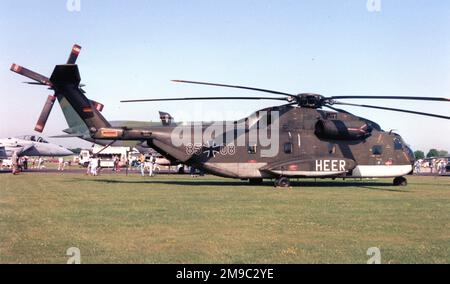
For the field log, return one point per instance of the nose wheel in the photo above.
(400, 181)
(282, 182)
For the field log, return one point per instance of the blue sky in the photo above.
(132, 49)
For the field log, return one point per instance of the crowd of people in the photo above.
(19, 164)
(143, 163)
(432, 166)
(147, 164)
(93, 167)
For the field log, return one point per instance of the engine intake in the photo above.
(342, 130)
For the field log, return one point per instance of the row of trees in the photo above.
(433, 153)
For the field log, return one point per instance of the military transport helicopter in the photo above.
(311, 142)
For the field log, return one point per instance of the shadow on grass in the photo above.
(373, 185)
(398, 189)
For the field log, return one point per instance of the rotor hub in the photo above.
(310, 100)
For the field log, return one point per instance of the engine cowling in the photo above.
(342, 130)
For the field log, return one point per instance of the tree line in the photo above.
(433, 153)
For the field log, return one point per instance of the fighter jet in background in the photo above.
(30, 145)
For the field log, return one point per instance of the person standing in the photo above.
(151, 165)
(142, 164)
(114, 158)
(442, 167)
(40, 163)
(127, 164)
(94, 164)
(99, 165)
(417, 166)
(25, 163)
(88, 171)
(61, 164)
(14, 163)
(116, 164)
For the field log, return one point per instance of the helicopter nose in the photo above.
(409, 152)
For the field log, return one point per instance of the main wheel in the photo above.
(282, 182)
(400, 181)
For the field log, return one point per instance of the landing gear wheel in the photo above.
(282, 182)
(255, 181)
(400, 181)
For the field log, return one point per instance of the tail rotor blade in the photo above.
(30, 74)
(45, 113)
(74, 54)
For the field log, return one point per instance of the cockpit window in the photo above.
(33, 138)
(398, 145)
(41, 140)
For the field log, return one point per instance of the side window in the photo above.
(288, 148)
(252, 149)
(377, 150)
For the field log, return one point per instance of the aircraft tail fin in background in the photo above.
(166, 118)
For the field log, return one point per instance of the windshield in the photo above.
(33, 138)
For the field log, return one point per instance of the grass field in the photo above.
(177, 219)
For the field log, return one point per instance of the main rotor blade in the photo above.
(30, 74)
(203, 98)
(232, 86)
(392, 98)
(74, 54)
(394, 109)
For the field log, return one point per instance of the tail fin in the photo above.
(82, 114)
(76, 106)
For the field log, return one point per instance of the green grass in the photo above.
(177, 219)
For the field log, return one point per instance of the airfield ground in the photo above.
(179, 219)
